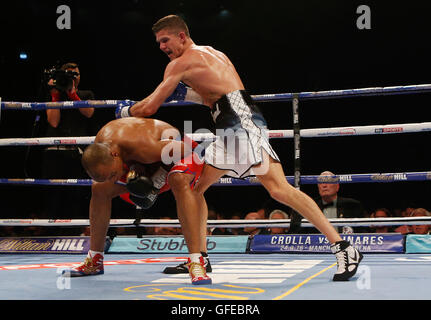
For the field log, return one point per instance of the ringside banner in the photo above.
(317, 243)
(45, 245)
(418, 243)
(172, 244)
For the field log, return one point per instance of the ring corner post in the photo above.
(296, 141)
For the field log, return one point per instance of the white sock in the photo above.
(194, 257)
(92, 253)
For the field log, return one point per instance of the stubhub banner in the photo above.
(161, 244)
(418, 243)
(317, 243)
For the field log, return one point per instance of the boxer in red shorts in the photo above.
(142, 158)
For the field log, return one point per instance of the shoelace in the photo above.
(341, 259)
(88, 263)
(185, 263)
(196, 269)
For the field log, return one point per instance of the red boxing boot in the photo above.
(90, 267)
(197, 272)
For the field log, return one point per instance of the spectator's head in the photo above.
(251, 216)
(212, 213)
(261, 213)
(381, 213)
(276, 215)
(407, 212)
(420, 229)
(328, 191)
(166, 230)
(235, 216)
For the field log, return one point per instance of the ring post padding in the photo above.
(295, 222)
(296, 141)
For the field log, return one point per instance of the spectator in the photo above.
(261, 213)
(216, 215)
(252, 230)
(8, 231)
(235, 231)
(85, 232)
(408, 212)
(270, 205)
(423, 228)
(276, 215)
(165, 230)
(63, 161)
(124, 231)
(397, 212)
(405, 229)
(334, 206)
(380, 213)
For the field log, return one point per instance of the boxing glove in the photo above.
(145, 202)
(122, 110)
(143, 190)
(184, 93)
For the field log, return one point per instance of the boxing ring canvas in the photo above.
(236, 277)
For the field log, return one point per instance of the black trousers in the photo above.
(65, 201)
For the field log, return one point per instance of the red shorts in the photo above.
(191, 164)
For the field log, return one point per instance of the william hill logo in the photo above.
(70, 245)
(13, 245)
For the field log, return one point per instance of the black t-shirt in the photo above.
(72, 122)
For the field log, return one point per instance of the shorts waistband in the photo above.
(232, 107)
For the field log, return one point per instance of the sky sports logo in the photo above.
(389, 130)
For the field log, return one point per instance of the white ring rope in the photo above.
(272, 134)
(260, 223)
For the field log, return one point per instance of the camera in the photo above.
(63, 79)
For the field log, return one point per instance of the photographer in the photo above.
(63, 86)
(64, 161)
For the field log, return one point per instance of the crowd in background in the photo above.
(259, 214)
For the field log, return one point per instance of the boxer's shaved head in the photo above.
(95, 156)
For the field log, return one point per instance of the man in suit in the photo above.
(334, 206)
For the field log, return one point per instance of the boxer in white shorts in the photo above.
(213, 81)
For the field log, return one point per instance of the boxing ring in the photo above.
(246, 275)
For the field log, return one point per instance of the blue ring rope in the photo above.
(343, 93)
(252, 181)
